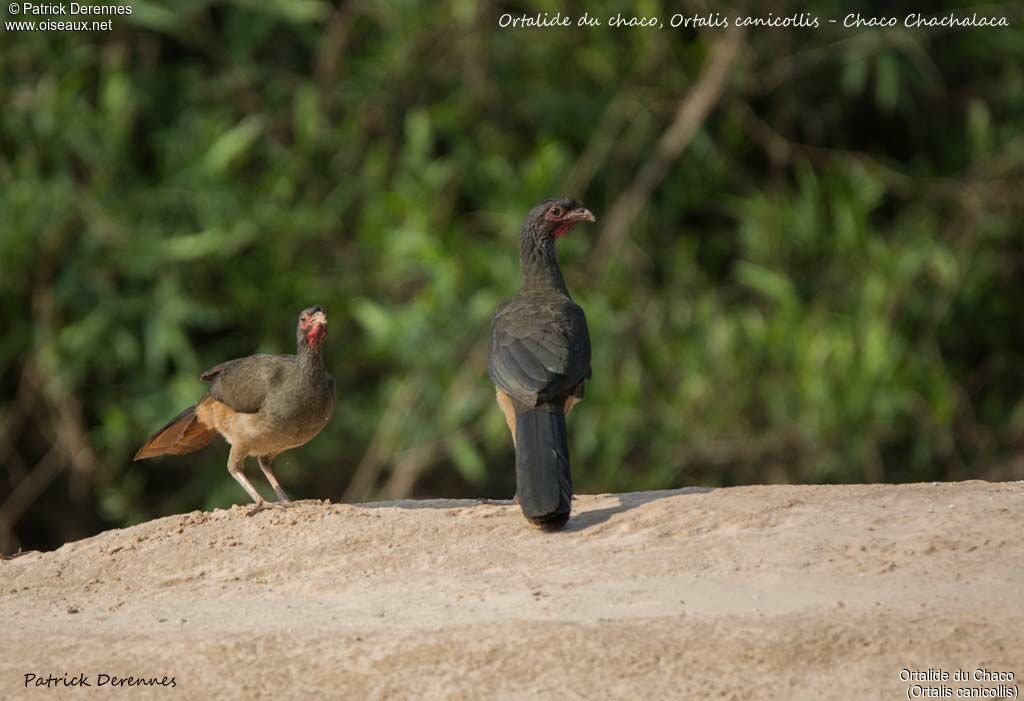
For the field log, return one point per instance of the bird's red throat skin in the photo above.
(564, 229)
(315, 336)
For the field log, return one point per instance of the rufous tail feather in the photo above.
(185, 433)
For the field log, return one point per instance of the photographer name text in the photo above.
(63, 17)
(72, 8)
(81, 679)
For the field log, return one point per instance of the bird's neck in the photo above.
(539, 263)
(310, 360)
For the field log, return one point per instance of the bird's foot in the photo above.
(262, 504)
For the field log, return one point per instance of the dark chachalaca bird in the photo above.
(539, 359)
(262, 405)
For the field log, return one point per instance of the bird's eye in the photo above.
(556, 211)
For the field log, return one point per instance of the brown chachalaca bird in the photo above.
(539, 359)
(262, 405)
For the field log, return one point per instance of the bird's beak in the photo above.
(581, 214)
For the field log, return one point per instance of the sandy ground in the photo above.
(781, 592)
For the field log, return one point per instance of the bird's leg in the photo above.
(236, 466)
(265, 461)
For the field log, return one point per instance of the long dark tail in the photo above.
(185, 433)
(543, 479)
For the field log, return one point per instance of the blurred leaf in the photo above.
(466, 458)
(887, 82)
(232, 145)
(979, 128)
(773, 286)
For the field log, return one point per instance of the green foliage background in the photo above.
(826, 285)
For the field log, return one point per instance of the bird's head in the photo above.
(312, 326)
(554, 218)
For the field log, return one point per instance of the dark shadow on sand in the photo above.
(630, 500)
(578, 522)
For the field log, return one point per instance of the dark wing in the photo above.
(244, 383)
(539, 348)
